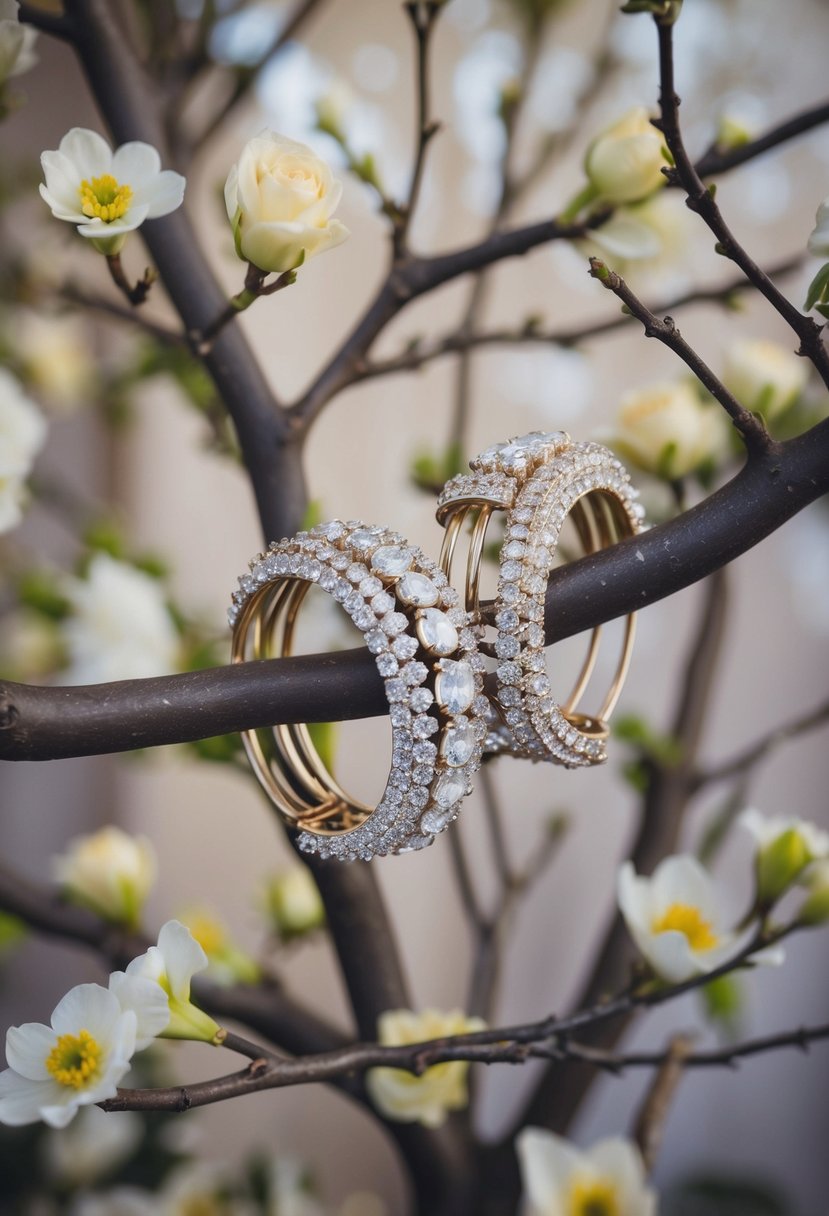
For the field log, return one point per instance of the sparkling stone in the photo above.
(392, 560)
(425, 752)
(415, 673)
(507, 619)
(363, 618)
(396, 690)
(386, 663)
(513, 548)
(481, 705)
(417, 589)
(363, 538)
(507, 647)
(394, 623)
(340, 561)
(405, 646)
(400, 715)
(449, 789)
(370, 585)
(420, 700)
(511, 571)
(424, 726)
(356, 572)
(418, 796)
(422, 774)
(540, 685)
(509, 593)
(458, 743)
(509, 696)
(535, 634)
(376, 641)
(434, 821)
(382, 603)
(341, 590)
(455, 686)
(449, 597)
(352, 602)
(436, 632)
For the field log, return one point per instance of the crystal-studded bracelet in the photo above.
(409, 615)
(539, 480)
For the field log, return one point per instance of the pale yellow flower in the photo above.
(764, 376)
(293, 903)
(110, 872)
(624, 162)
(666, 429)
(427, 1099)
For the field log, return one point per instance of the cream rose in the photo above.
(764, 376)
(667, 430)
(110, 872)
(624, 163)
(280, 198)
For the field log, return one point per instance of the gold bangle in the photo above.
(538, 480)
(402, 603)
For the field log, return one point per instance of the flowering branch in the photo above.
(751, 426)
(137, 292)
(717, 160)
(701, 200)
(255, 286)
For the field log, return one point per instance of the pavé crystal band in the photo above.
(409, 615)
(540, 479)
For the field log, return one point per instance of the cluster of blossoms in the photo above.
(95, 1031)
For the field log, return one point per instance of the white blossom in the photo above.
(171, 965)
(764, 376)
(110, 872)
(121, 628)
(818, 243)
(280, 199)
(785, 846)
(22, 435)
(77, 1060)
(55, 357)
(666, 429)
(624, 162)
(17, 41)
(94, 1145)
(107, 194)
(427, 1099)
(562, 1180)
(293, 902)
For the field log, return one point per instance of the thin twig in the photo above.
(745, 760)
(74, 293)
(701, 200)
(750, 426)
(650, 1120)
(137, 292)
(423, 15)
(718, 160)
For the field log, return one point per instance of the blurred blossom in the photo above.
(427, 1099)
(559, 1179)
(30, 645)
(742, 116)
(245, 37)
(227, 963)
(17, 53)
(95, 1145)
(818, 243)
(280, 198)
(815, 908)
(785, 847)
(110, 872)
(553, 383)
(469, 15)
(54, 354)
(667, 430)
(556, 89)
(376, 67)
(120, 1201)
(289, 1191)
(202, 1189)
(120, 628)
(764, 376)
(656, 235)
(624, 162)
(765, 191)
(22, 435)
(806, 555)
(293, 903)
(288, 88)
(492, 62)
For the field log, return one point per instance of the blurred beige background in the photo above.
(215, 836)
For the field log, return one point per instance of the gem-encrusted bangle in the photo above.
(538, 479)
(584, 475)
(409, 615)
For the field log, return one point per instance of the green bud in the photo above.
(814, 910)
(779, 865)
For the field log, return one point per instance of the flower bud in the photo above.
(785, 847)
(818, 243)
(764, 376)
(668, 431)
(227, 963)
(280, 198)
(624, 163)
(17, 41)
(109, 872)
(815, 908)
(293, 903)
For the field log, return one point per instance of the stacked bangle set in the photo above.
(429, 642)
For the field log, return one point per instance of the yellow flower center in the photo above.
(209, 933)
(75, 1060)
(685, 918)
(104, 199)
(592, 1197)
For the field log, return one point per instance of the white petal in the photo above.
(683, 880)
(135, 164)
(60, 210)
(755, 823)
(131, 220)
(633, 895)
(147, 1000)
(771, 956)
(27, 1047)
(87, 1007)
(547, 1163)
(183, 957)
(671, 956)
(620, 1160)
(89, 152)
(22, 1100)
(231, 193)
(164, 195)
(63, 181)
(626, 237)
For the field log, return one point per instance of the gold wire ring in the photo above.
(402, 603)
(539, 480)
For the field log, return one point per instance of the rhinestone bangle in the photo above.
(409, 615)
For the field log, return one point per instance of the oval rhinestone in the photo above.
(458, 743)
(391, 559)
(417, 589)
(433, 821)
(436, 632)
(455, 686)
(449, 789)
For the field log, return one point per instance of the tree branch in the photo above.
(701, 200)
(717, 160)
(740, 764)
(750, 426)
(48, 23)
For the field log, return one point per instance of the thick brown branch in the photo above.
(48, 23)
(751, 427)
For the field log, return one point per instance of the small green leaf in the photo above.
(818, 288)
(37, 590)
